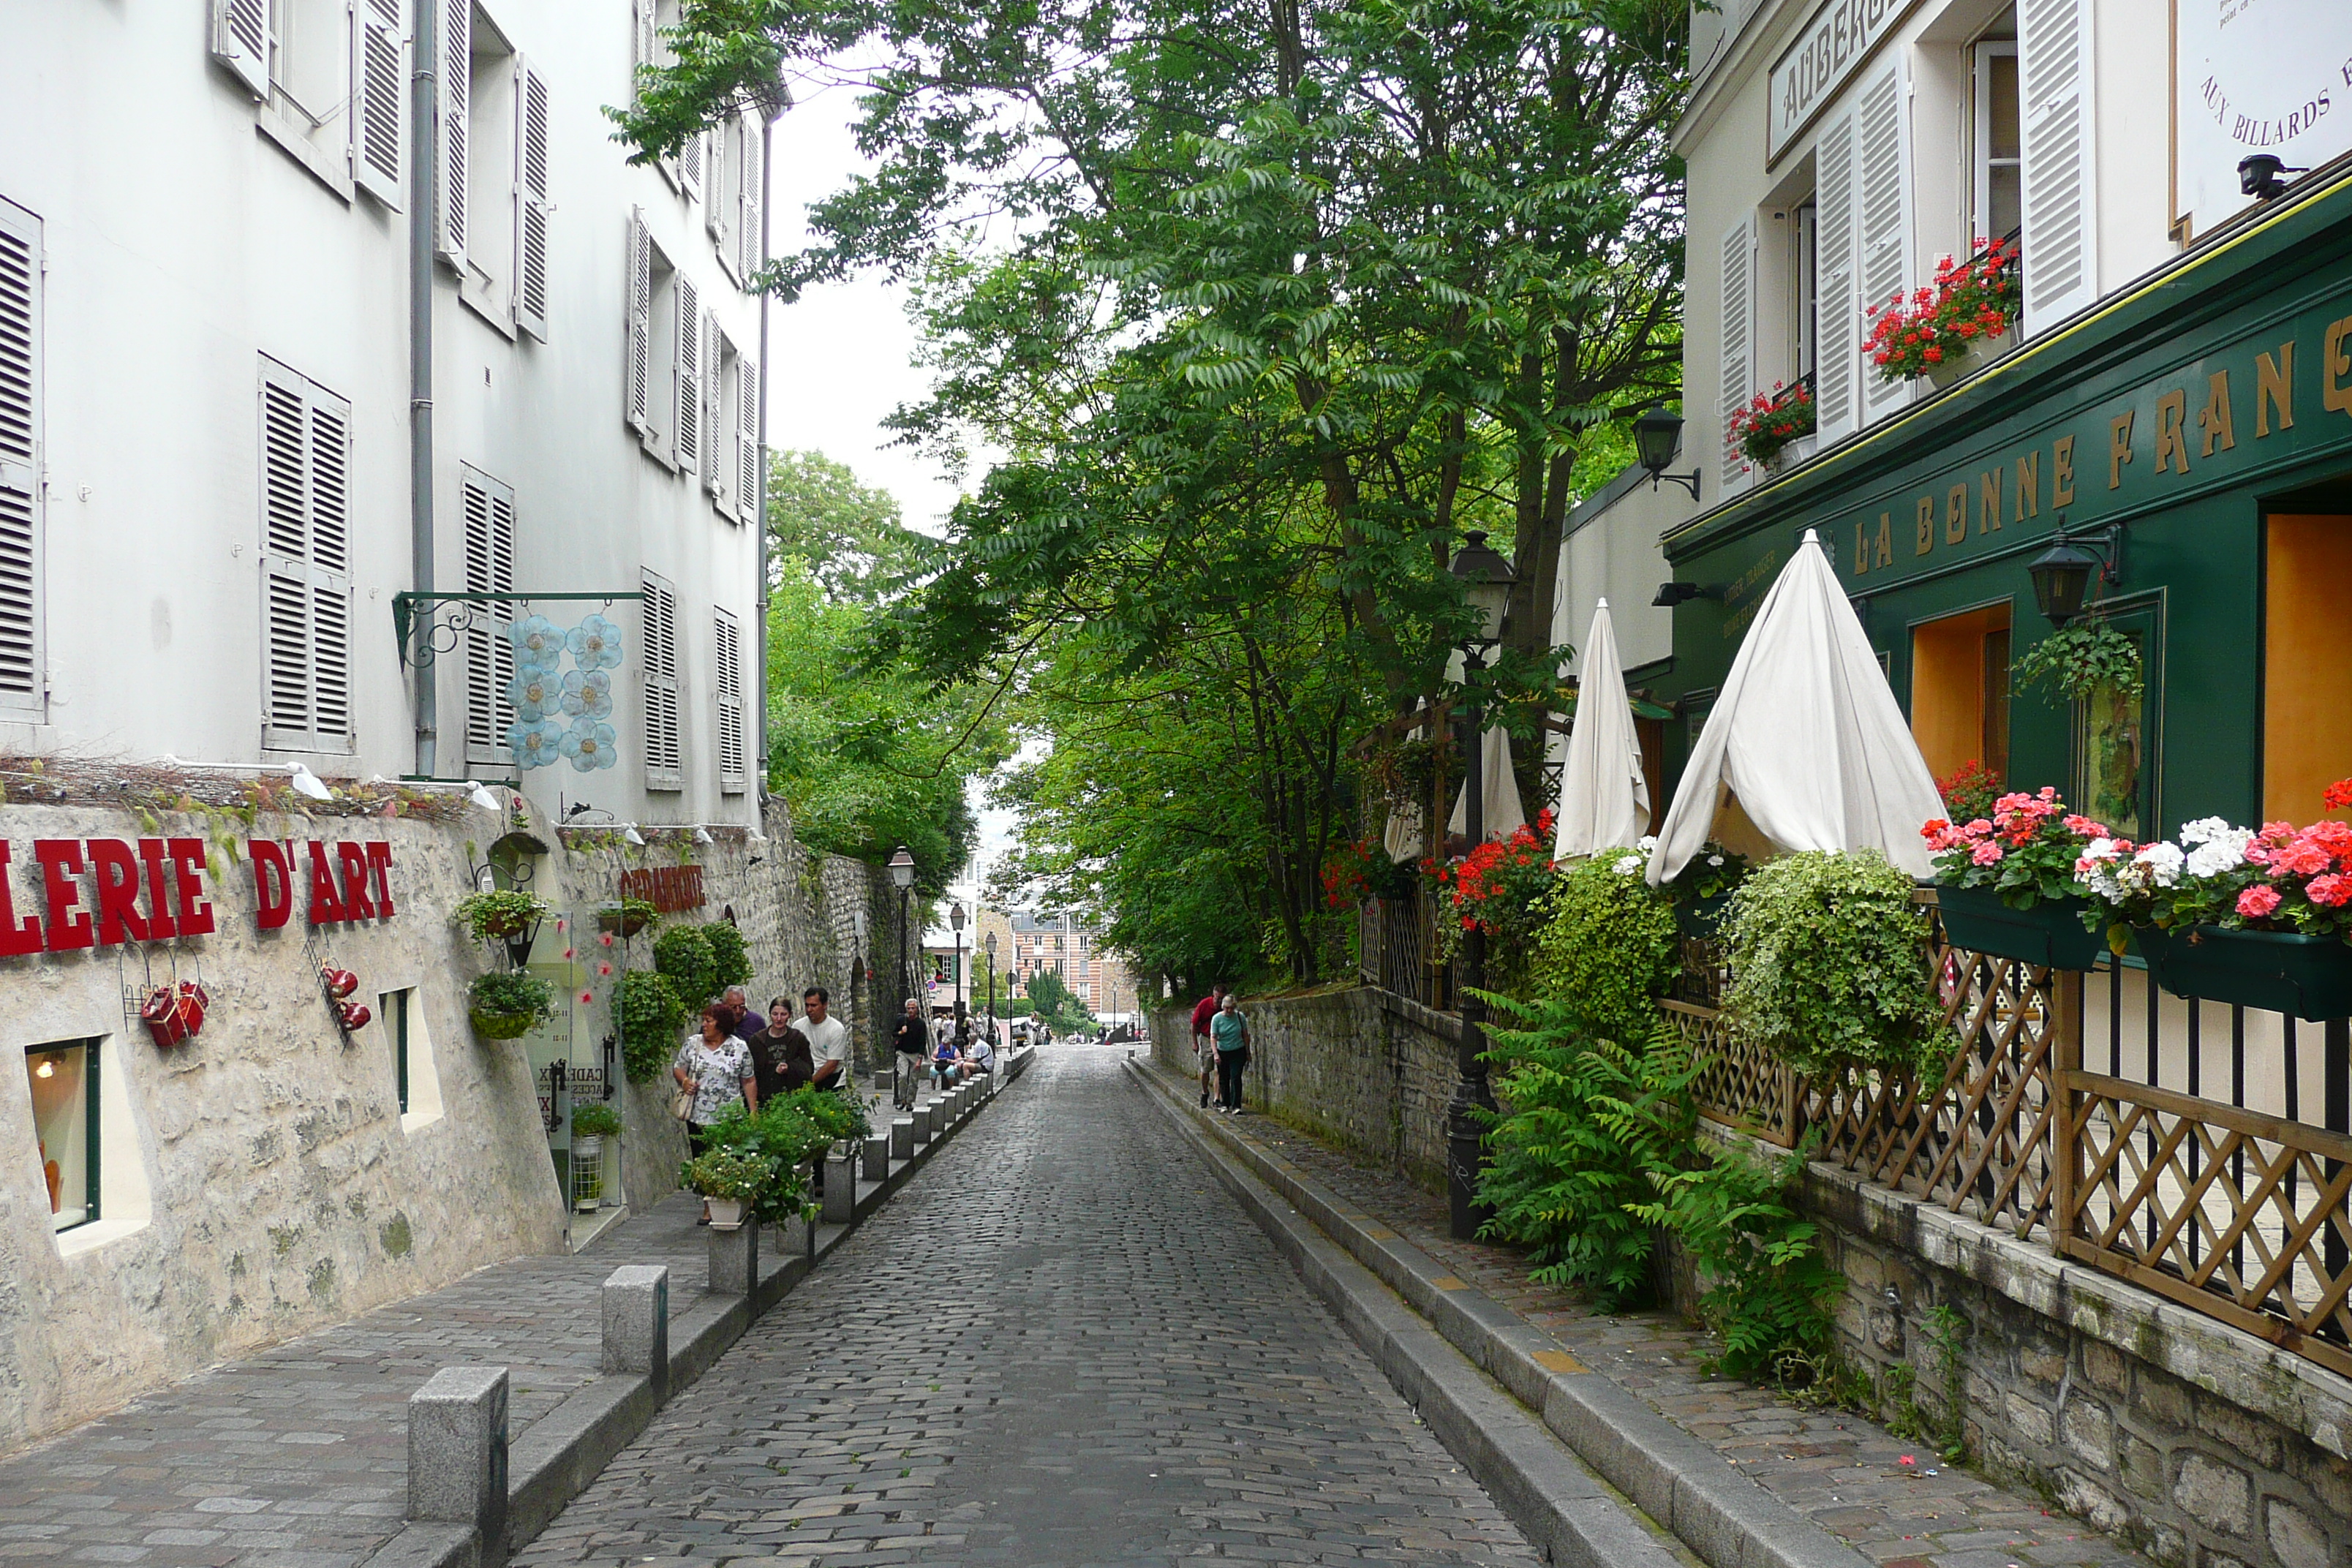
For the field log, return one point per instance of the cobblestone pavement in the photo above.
(1064, 1344)
(1843, 1472)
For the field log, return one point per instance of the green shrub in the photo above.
(650, 1019)
(731, 960)
(785, 1134)
(595, 1120)
(726, 1174)
(1829, 966)
(1608, 950)
(682, 954)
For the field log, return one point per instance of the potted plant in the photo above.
(1972, 302)
(728, 1179)
(591, 1124)
(1503, 886)
(627, 917)
(1608, 951)
(1772, 423)
(2231, 914)
(2082, 658)
(2005, 883)
(506, 1005)
(683, 955)
(1702, 890)
(500, 915)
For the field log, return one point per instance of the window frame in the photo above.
(1981, 155)
(22, 475)
(91, 1123)
(324, 579)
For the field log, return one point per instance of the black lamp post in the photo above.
(1657, 434)
(1487, 580)
(902, 872)
(955, 919)
(990, 942)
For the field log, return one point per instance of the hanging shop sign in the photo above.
(106, 892)
(672, 889)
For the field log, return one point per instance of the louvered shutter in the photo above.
(662, 769)
(530, 201)
(489, 523)
(637, 370)
(2054, 54)
(730, 685)
(379, 95)
(747, 438)
(457, 91)
(642, 42)
(1883, 229)
(717, 471)
(750, 256)
(1837, 358)
(1737, 339)
(689, 167)
(20, 462)
(305, 565)
(686, 375)
(718, 193)
(241, 42)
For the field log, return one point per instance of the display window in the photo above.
(65, 1122)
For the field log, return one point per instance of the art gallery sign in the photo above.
(105, 892)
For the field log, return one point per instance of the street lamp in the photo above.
(1657, 435)
(2063, 573)
(991, 944)
(1487, 580)
(902, 872)
(955, 919)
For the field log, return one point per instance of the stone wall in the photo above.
(1357, 1065)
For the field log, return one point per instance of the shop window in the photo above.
(64, 1079)
(2307, 661)
(415, 1074)
(1959, 689)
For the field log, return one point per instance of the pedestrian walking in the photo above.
(1202, 1011)
(909, 1046)
(735, 1012)
(780, 1053)
(718, 1068)
(828, 1039)
(1230, 1033)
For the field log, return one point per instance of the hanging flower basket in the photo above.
(2280, 971)
(2051, 933)
(626, 918)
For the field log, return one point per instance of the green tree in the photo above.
(848, 534)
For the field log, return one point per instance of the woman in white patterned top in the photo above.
(718, 1068)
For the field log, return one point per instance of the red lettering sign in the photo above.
(672, 889)
(273, 883)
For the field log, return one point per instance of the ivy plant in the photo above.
(731, 960)
(1608, 951)
(501, 914)
(649, 1016)
(683, 955)
(2082, 659)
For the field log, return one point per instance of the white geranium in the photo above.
(1627, 864)
(2223, 851)
(1714, 859)
(2095, 871)
(1646, 843)
(2163, 861)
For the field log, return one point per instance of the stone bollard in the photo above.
(840, 1190)
(902, 1138)
(878, 1156)
(458, 1453)
(637, 1324)
(921, 1117)
(735, 1259)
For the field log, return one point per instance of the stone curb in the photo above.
(560, 1453)
(1566, 1513)
(1729, 1521)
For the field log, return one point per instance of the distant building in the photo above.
(1063, 944)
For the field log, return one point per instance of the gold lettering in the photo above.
(2274, 384)
(2171, 445)
(1860, 550)
(2119, 450)
(2061, 471)
(1886, 554)
(2029, 485)
(1988, 501)
(2214, 418)
(1956, 515)
(1926, 525)
(2338, 364)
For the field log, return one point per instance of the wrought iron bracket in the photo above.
(434, 622)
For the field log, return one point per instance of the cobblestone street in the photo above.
(1062, 1344)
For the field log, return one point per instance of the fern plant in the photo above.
(1766, 1288)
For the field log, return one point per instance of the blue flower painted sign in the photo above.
(544, 695)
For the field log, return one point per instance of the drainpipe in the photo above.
(760, 506)
(424, 189)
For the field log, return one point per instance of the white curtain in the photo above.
(1604, 801)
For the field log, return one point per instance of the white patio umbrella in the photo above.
(1498, 793)
(1807, 735)
(1604, 801)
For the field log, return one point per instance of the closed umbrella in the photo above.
(1498, 793)
(1807, 735)
(1604, 801)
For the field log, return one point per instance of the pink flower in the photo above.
(586, 997)
(561, 924)
(2257, 902)
(1985, 854)
(2328, 891)
(2084, 826)
(567, 953)
(1977, 828)
(603, 970)
(2303, 859)
(606, 938)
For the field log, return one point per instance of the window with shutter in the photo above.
(663, 768)
(20, 463)
(689, 167)
(717, 365)
(1737, 339)
(636, 374)
(241, 42)
(2053, 45)
(750, 256)
(747, 438)
(729, 684)
(1882, 218)
(457, 81)
(718, 190)
(1840, 315)
(379, 95)
(305, 565)
(530, 201)
(489, 523)
(642, 42)
(686, 373)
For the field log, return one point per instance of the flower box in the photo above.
(2282, 971)
(2050, 934)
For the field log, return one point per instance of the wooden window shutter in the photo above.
(379, 100)
(1736, 362)
(457, 91)
(2053, 53)
(531, 204)
(729, 684)
(21, 632)
(716, 365)
(306, 436)
(642, 42)
(1837, 360)
(489, 544)
(635, 376)
(686, 377)
(241, 42)
(689, 167)
(748, 248)
(1881, 218)
(663, 768)
(718, 194)
(747, 438)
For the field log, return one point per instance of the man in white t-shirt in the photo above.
(828, 1039)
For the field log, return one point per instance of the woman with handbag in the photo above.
(713, 1071)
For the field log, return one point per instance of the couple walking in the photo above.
(1220, 1035)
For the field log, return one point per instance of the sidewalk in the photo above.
(1839, 1470)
